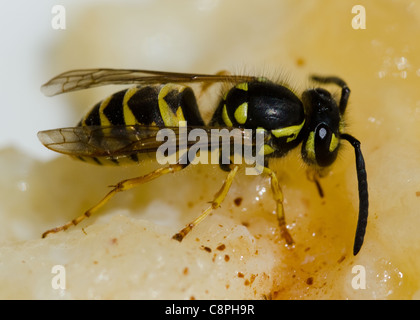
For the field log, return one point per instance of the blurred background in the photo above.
(277, 39)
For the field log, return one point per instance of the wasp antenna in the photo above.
(363, 193)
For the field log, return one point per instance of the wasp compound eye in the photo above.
(326, 145)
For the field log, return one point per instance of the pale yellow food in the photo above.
(127, 250)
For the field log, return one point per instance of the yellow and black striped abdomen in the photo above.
(154, 105)
(160, 105)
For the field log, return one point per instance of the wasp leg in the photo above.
(120, 186)
(313, 176)
(278, 197)
(218, 199)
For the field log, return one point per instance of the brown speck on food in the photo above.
(240, 275)
(221, 247)
(245, 224)
(417, 193)
(300, 62)
(310, 281)
(252, 278)
(207, 249)
(341, 259)
(192, 298)
(238, 201)
(185, 271)
(227, 258)
(114, 241)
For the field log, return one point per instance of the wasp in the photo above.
(123, 127)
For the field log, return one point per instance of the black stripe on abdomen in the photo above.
(113, 111)
(144, 106)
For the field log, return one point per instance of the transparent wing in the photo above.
(97, 141)
(120, 141)
(89, 78)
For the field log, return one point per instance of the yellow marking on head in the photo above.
(225, 117)
(310, 146)
(129, 117)
(104, 120)
(291, 132)
(333, 143)
(169, 118)
(242, 86)
(241, 113)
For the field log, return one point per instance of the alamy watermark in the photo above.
(58, 21)
(59, 280)
(359, 280)
(197, 145)
(359, 20)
